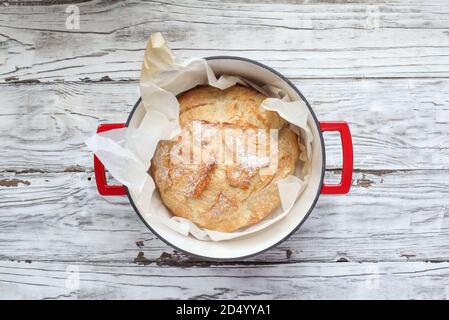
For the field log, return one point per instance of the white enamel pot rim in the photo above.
(265, 239)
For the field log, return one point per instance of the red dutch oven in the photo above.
(267, 238)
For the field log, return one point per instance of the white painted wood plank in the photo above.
(313, 40)
(55, 280)
(397, 216)
(396, 124)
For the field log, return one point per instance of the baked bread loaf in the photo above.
(222, 192)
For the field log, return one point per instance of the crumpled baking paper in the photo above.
(127, 152)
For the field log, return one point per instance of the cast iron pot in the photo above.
(263, 240)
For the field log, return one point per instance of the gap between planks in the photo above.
(109, 80)
(80, 169)
(175, 258)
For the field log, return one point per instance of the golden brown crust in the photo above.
(237, 176)
(238, 106)
(213, 194)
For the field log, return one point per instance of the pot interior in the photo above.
(264, 239)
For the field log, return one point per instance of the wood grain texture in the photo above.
(57, 280)
(313, 39)
(396, 124)
(383, 67)
(399, 216)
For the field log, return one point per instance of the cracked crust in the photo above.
(215, 195)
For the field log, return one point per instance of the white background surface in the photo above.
(382, 67)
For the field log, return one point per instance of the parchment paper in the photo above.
(127, 152)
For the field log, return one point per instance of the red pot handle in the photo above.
(346, 143)
(100, 177)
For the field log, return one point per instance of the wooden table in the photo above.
(382, 67)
